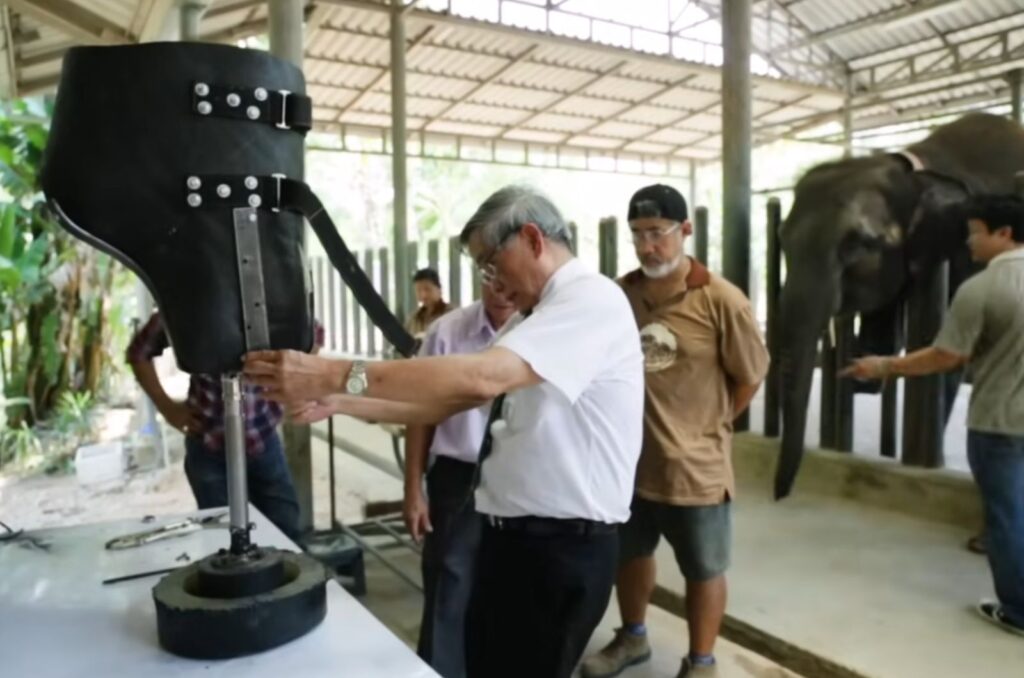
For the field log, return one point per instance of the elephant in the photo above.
(863, 231)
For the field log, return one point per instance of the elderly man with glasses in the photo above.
(565, 381)
(704, 359)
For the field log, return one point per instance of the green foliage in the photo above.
(19, 444)
(62, 316)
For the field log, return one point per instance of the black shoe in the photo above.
(993, 612)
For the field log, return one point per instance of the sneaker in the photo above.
(625, 650)
(993, 612)
(691, 670)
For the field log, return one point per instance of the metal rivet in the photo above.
(255, 201)
(251, 183)
(261, 94)
(194, 183)
(204, 107)
(253, 112)
(223, 190)
(234, 100)
(195, 200)
(202, 89)
(252, 218)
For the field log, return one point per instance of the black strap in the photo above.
(297, 196)
(281, 109)
(275, 193)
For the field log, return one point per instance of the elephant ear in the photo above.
(938, 227)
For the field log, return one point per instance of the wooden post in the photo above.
(609, 246)
(700, 235)
(357, 323)
(773, 384)
(434, 254)
(844, 387)
(574, 237)
(385, 286)
(890, 406)
(343, 312)
(829, 368)
(455, 270)
(924, 397)
(371, 331)
(331, 340)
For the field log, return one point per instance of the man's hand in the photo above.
(871, 368)
(294, 378)
(417, 514)
(181, 417)
(310, 412)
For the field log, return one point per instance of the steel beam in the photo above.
(736, 142)
(399, 167)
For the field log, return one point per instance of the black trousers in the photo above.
(449, 561)
(536, 601)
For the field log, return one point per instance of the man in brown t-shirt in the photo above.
(704, 360)
(427, 287)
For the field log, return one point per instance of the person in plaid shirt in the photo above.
(201, 418)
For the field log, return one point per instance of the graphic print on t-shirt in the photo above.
(659, 346)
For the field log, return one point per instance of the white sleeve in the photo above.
(572, 337)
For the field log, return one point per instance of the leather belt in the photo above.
(548, 527)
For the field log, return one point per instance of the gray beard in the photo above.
(662, 270)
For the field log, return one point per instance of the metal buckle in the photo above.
(277, 203)
(284, 106)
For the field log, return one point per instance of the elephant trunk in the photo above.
(806, 307)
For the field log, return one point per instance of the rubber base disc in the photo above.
(190, 624)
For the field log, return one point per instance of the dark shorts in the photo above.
(700, 536)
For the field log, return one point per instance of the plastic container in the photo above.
(99, 463)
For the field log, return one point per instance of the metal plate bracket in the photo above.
(250, 278)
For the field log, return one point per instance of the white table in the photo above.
(57, 619)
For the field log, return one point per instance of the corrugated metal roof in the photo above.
(558, 78)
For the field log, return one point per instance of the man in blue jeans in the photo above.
(985, 330)
(201, 418)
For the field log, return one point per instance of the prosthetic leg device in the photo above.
(184, 161)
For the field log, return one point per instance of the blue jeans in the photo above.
(270, 483)
(997, 462)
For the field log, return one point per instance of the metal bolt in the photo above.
(202, 89)
(252, 218)
(253, 112)
(194, 183)
(195, 200)
(224, 191)
(204, 107)
(251, 183)
(261, 94)
(255, 200)
(234, 100)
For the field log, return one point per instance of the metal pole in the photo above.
(1015, 78)
(736, 142)
(191, 13)
(286, 36)
(455, 270)
(848, 117)
(286, 31)
(399, 177)
(234, 449)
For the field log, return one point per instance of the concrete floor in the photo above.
(398, 606)
(876, 592)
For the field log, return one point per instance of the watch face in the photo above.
(354, 386)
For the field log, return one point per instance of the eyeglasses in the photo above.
(652, 235)
(488, 271)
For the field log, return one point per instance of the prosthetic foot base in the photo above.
(229, 605)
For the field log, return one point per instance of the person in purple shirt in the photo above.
(446, 519)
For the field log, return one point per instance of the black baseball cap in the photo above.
(658, 201)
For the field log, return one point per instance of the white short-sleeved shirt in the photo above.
(568, 447)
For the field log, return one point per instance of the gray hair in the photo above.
(508, 209)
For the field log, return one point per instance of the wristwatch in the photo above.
(357, 382)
